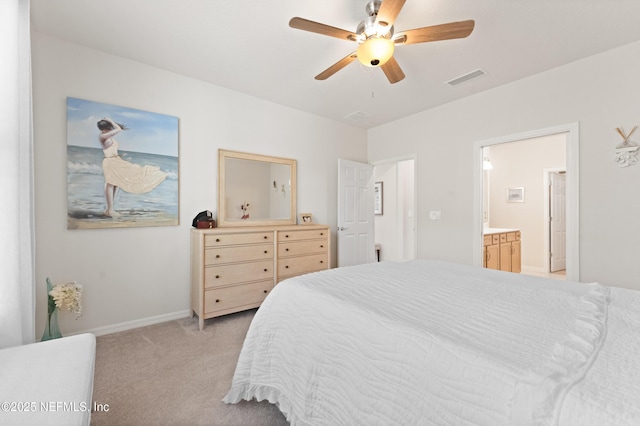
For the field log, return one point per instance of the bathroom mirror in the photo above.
(255, 190)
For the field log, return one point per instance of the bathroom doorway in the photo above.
(527, 213)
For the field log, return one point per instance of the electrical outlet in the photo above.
(435, 215)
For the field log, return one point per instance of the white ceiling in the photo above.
(247, 46)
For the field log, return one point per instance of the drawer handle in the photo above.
(217, 276)
(266, 291)
(322, 261)
(265, 269)
(286, 236)
(265, 252)
(321, 246)
(286, 249)
(217, 300)
(217, 240)
(286, 267)
(322, 233)
(217, 256)
(265, 237)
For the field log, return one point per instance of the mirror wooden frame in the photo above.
(223, 220)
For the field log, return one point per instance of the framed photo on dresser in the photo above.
(306, 219)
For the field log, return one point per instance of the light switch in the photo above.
(435, 215)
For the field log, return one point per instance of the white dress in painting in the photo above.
(130, 177)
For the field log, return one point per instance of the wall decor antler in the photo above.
(627, 151)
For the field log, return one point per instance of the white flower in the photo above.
(68, 295)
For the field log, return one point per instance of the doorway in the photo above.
(570, 134)
(395, 224)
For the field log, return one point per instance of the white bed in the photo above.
(430, 342)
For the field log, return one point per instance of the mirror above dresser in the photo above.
(255, 190)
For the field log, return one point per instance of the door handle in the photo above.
(342, 228)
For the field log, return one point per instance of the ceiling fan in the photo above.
(376, 39)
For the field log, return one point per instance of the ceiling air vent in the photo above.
(358, 115)
(466, 77)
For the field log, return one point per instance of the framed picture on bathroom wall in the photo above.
(515, 195)
(122, 167)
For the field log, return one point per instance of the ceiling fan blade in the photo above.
(435, 33)
(389, 10)
(393, 71)
(337, 66)
(316, 27)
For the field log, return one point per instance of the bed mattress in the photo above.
(430, 342)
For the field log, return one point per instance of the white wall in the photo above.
(406, 193)
(132, 275)
(599, 92)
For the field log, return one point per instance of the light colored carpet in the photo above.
(173, 374)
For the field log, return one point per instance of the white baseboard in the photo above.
(129, 325)
(533, 269)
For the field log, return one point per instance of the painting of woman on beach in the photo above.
(122, 166)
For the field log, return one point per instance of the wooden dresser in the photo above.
(234, 269)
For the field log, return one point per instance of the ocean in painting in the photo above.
(85, 192)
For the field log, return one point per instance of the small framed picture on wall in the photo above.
(377, 198)
(515, 195)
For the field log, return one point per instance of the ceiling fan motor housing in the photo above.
(373, 7)
(375, 46)
(368, 28)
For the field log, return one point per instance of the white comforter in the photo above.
(428, 342)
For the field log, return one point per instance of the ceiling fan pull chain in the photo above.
(372, 82)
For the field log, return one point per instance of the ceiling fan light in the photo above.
(375, 52)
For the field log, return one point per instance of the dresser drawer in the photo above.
(302, 265)
(216, 256)
(233, 269)
(221, 299)
(297, 248)
(217, 240)
(216, 276)
(284, 236)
